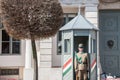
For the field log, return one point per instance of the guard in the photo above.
(81, 64)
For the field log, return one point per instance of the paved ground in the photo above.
(111, 79)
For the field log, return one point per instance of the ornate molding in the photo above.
(110, 1)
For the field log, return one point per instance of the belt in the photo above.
(82, 63)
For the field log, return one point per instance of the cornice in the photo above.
(109, 1)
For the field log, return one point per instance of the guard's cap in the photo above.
(80, 45)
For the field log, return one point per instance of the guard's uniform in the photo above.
(81, 65)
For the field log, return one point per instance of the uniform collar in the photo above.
(81, 52)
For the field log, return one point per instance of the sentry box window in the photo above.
(67, 46)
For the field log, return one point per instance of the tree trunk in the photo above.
(35, 59)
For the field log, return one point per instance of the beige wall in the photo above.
(47, 47)
(45, 53)
(14, 60)
(91, 14)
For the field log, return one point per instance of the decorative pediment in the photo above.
(110, 1)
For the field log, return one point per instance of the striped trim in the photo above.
(93, 65)
(67, 66)
(64, 73)
(67, 63)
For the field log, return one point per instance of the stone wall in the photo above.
(109, 4)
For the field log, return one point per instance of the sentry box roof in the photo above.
(79, 22)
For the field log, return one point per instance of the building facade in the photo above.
(15, 60)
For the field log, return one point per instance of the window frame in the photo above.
(67, 17)
(11, 41)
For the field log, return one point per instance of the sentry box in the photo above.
(78, 30)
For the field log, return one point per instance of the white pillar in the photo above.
(38, 57)
(28, 54)
(28, 71)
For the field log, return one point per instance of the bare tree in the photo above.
(31, 19)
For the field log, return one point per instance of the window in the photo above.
(59, 43)
(67, 18)
(67, 46)
(8, 44)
